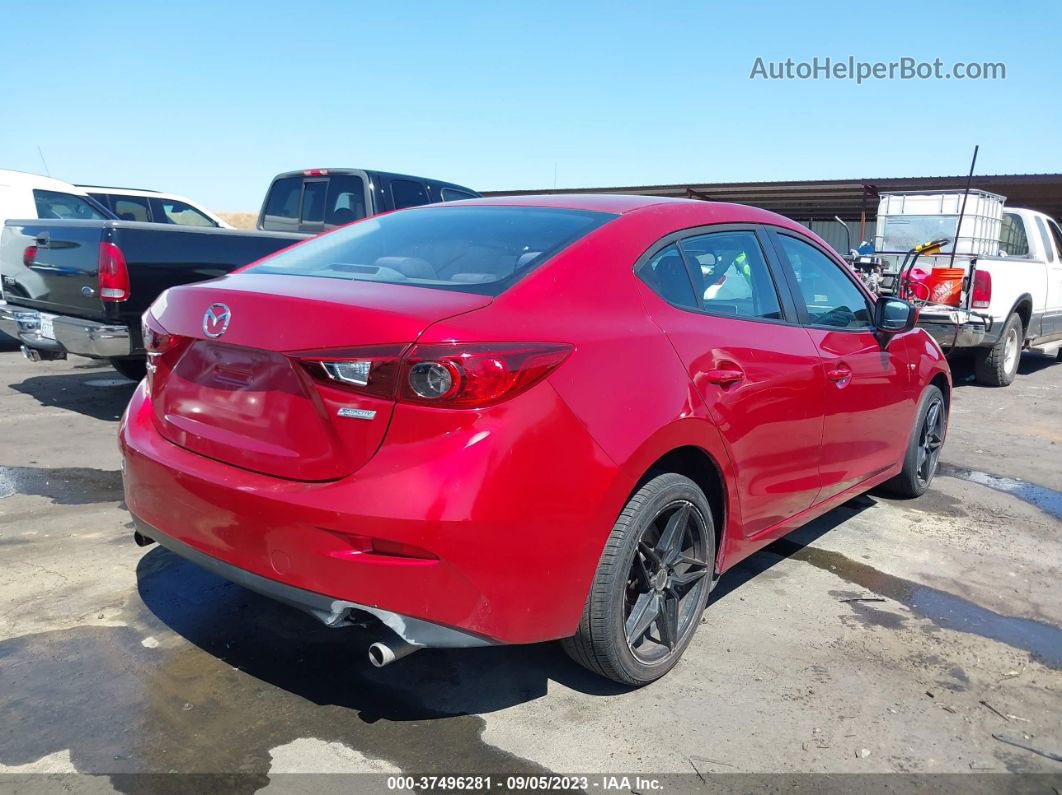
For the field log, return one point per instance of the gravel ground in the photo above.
(886, 637)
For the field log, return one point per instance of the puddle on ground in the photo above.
(1042, 640)
(62, 485)
(234, 675)
(1047, 500)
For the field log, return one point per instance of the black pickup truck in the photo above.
(80, 286)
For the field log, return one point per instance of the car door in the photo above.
(1052, 323)
(868, 404)
(753, 365)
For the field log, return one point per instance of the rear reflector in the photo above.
(113, 274)
(981, 295)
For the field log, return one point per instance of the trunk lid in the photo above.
(242, 396)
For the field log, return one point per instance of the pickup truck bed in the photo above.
(49, 275)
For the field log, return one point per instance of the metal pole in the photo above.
(962, 210)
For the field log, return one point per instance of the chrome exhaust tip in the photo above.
(386, 652)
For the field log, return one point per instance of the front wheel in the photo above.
(923, 449)
(651, 584)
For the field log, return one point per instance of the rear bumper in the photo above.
(958, 328)
(72, 334)
(330, 612)
(511, 510)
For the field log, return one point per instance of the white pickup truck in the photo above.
(1010, 298)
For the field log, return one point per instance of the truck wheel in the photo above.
(923, 449)
(997, 366)
(133, 369)
(651, 584)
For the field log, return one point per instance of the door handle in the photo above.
(723, 375)
(841, 372)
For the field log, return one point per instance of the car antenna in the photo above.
(962, 210)
(41, 153)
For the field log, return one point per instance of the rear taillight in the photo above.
(157, 341)
(156, 338)
(464, 375)
(113, 274)
(371, 370)
(981, 295)
(447, 375)
(29, 256)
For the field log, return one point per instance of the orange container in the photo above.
(945, 285)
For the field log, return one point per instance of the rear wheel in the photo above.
(133, 369)
(923, 450)
(651, 585)
(997, 366)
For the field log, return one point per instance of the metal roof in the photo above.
(825, 198)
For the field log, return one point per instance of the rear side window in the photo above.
(1012, 237)
(667, 276)
(1056, 233)
(407, 193)
(131, 208)
(346, 199)
(472, 249)
(734, 276)
(53, 204)
(282, 205)
(454, 195)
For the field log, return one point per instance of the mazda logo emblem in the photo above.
(216, 320)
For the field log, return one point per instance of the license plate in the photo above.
(47, 329)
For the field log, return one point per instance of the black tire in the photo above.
(919, 461)
(634, 575)
(997, 366)
(133, 369)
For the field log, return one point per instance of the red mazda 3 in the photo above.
(518, 419)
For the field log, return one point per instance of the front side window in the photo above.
(1048, 250)
(471, 249)
(829, 296)
(1012, 238)
(407, 193)
(666, 275)
(171, 211)
(735, 279)
(1056, 233)
(54, 204)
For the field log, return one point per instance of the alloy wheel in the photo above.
(666, 581)
(930, 440)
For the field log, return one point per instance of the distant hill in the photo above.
(240, 220)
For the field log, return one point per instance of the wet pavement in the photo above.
(911, 630)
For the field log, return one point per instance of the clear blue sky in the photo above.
(212, 99)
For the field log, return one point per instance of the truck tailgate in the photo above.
(52, 266)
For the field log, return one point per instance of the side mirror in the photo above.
(893, 316)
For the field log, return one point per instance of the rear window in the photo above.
(53, 204)
(471, 249)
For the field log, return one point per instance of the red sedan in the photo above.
(518, 419)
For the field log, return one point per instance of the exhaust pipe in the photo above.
(142, 540)
(35, 355)
(385, 652)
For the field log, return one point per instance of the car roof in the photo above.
(10, 177)
(594, 202)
